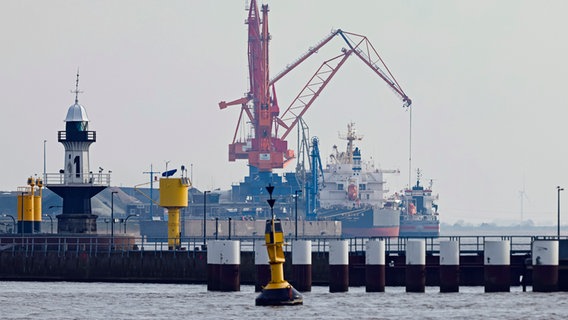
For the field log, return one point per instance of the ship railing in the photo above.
(91, 179)
(104, 244)
(419, 217)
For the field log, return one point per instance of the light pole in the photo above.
(50, 220)
(112, 219)
(129, 216)
(205, 215)
(13, 221)
(296, 204)
(558, 188)
(44, 176)
(21, 218)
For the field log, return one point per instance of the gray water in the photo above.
(71, 300)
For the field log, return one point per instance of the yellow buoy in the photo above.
(173, 196)
(278, 291)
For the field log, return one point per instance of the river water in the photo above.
(72, 300)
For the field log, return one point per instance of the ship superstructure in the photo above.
(354, 193)
(419, 217)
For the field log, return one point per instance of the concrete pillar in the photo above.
(375, 266)
(302, 265)
(223, 265)
(261, 265)
(338, 266)
(545, 259)
(416, 265)
(497, 266)
(449, 266)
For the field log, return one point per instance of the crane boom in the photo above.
(311, 91)
(369, 56)
(305, 56)
(372, 59)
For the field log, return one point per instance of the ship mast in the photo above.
(350, 136)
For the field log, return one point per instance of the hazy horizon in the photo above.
(486, 79)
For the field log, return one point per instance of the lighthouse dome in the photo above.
(76, 113)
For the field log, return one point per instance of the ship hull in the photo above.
(371, 232)
(419, 229)
(371, 223)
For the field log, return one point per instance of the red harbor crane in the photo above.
(267, 148)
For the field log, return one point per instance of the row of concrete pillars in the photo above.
(223, 260)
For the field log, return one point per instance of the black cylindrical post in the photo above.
(338, 266)
(497, 266)
(415, 265)
(375, 266)
(449, 266)
(302, 265)
(545, 259)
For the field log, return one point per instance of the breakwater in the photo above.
(128, 259)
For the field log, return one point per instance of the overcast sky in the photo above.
(487, 79)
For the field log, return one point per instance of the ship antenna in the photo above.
(418, 177)
(77, 91)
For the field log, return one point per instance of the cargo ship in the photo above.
(353, 192)
(419, 214)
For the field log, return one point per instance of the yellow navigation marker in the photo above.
(278, 291)
(173, 196)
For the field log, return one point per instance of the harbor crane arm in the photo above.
(362, 49)
(306, 55)
(241, 101)
(310, 92)
(366, 52)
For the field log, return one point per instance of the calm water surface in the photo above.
(70, 300)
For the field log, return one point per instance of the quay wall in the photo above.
(130, 259)
(191, 267)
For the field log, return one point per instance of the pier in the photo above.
(131, 259)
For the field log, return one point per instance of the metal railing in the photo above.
(94, 245)
(94, 179)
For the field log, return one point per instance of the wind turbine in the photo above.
(523, 196)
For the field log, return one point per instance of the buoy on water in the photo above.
(278, 292)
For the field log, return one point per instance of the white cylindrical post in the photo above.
(338, 266)
(416, 265)
(261, 264)
(223, 265)
(449, 266)
(302, 265)
(497, 266)
(213, 266)
(545, 260)
(375, 265)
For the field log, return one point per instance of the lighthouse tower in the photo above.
(75, 183)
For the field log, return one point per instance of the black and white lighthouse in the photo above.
(75, 183)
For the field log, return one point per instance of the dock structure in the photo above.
(45, 257)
